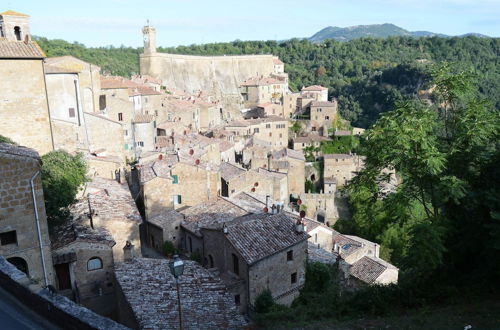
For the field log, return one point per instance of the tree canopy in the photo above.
(62, 176)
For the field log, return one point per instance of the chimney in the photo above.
(128, 252)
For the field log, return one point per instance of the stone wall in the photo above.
(122, 230)
(195, 185)
(215, 245)
(24, 110)
(57, 309)
(95, 287)
(209, 73)
(17, 212)
(105, 134)
(274, 273)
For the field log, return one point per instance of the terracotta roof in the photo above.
(165, 218)
(13, 13)
(317, 254)
(257, 236)
(260, 81)
(368, 269)
(158, 168)
(285, 152)
(277, 61)
(78, 229)
(271, 174)
(142, 90)
(211, 214)
(20, 49)
(317, 88)
(151, 291)
(111, 200)
(230, 171)
(142, 118)
(346, 244)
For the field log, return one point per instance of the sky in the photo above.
(184, 22)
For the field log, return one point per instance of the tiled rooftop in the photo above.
(323, 104)
(158, 168)
(20, 49)
(230, 171)
(317, 254)
(368, 269)
(315, 88)
(210, 214)
(250, 122)
(310, 138)
(165, 218)
(257, 236)
(150, 289)
(285, 152)
(111, 201)
(338, 156)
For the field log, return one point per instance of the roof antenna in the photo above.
(148, 21)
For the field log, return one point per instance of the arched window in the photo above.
(94, 263)
(20, 264)
(17, 32)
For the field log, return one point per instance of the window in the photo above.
(177, 199)
(237, 300)
(1, 32)
(140, 143)
(268, 125)
(315, 238)
(289, 255)
(102, 102)
(126, 132)
(120, 116)
(156, 113)
(256, 130)
(94, 263)
(71, 112)
(281, 135)
(126, 146)
(175, 179)
(270, 134)
(327, 117)
(9, 237)
(293, 278)
(236, 264)
(17, 32)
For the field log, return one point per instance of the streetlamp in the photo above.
(177, 269)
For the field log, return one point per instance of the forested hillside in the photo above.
(367, 75)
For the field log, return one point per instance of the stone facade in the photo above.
(341, 167)
(24, 238)
(23, 102)
(320, 207)
(322, 115)
(273, 130)
(193, 183)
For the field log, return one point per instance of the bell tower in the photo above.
(14, 26)
(149, 34)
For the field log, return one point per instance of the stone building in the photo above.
(83, 261)
(292, 163)
(259, 90)
(163, 227)
(174, 182)
(150, 298)
(313, 139)
(24, 237)
(258, 252)
(114, 210)
(323, 114)
(144, 133)
(273, 130)
(73, 88)
(321, 207)
(24, 108)
(341, 167)
(315, 92)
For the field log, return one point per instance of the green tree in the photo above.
(264, 301)
(62, 176)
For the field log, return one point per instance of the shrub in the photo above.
(264, 302)
(168, 248)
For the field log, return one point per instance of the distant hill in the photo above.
(375, 31)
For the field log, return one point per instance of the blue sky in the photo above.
(184, 22)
